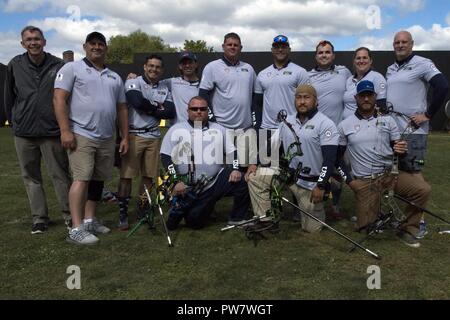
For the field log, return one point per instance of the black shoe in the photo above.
(173, 222)
(38, 228)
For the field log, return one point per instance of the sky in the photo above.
(348, 24)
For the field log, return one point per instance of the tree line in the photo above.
(121, 49)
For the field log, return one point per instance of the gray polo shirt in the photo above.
(314, 133)
(330, 87)
(278, 87)
(207, 145)
(158, 92)
(407, 87)
(93, 100)
(350, 91)
(368, 142)
(233, 87)
(182, 91)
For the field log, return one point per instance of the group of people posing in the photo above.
(229, 131)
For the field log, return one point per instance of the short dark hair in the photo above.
(31, 29)
(155, 56)
(363, 48)
(197, 98)
(323, 43)
(232, 35)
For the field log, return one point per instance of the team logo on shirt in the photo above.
(382, 85)
(309, 126)
(244, 70)
(132, 86)
(59, 77)
(357, 127)
(287, 73)
(88, 70)
(328, 133)
(111, 76)
(433, 67)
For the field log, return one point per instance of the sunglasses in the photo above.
(194, 109)
(280, 39)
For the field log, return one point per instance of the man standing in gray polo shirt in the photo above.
(275, 85)
(185, 87)
(29, 109)
(228, 85)
(88, 98)
(149, 101)
(329, 80)
(274, 91)
(372, 140)
(408, 80)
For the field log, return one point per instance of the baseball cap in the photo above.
(280, 39)
(187, 55)
(97, 36)
(365, 86)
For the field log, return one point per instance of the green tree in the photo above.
(197, 46)
(121, 49)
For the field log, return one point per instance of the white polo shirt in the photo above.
(407, 88)
(233, 87)
(330, 87)
(278, 89)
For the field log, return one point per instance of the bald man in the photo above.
(408, 80)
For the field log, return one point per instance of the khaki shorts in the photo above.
(92, 159)
(142, 157)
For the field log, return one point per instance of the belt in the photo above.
(309, 179)
(373, 175)
(143, 130)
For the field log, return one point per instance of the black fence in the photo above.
(2, 81)
(260, 60)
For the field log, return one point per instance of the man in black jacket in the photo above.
(29, 109)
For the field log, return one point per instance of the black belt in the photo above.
(143, 130)
(309, 179)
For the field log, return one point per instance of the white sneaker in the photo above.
(95, 227)
(80, 236)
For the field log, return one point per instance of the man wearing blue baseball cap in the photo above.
(274, 91)
(373, 140)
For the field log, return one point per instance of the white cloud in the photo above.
(9, 46)
(435, 38)
(22, 5)
(256, 21)
(411, 5)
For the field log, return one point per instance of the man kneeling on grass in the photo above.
(192, 151)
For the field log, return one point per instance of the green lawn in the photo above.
(208, 264)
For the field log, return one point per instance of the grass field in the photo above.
(208, 264)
